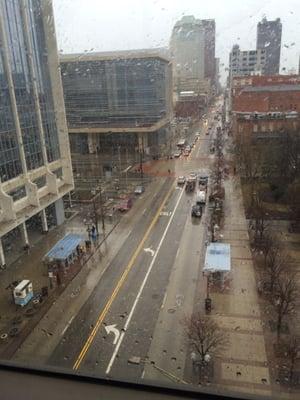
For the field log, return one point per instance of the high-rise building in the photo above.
(269, 39)
(250, 62)
(209, 26)
(119, 99)
(35, 164)
(187, 46)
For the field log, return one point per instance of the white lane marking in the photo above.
(164, 300)
(110, 364)
(177, 253)
(114, 330)
(149, 250)
(67, 326)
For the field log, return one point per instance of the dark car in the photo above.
(203, 180)
(196, 211)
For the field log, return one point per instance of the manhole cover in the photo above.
(171, 310)
(4, 336)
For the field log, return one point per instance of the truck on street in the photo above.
(201, 197)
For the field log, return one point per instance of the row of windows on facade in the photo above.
(23, 90)
(265, 127)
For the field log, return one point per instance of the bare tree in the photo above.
(204, 336)
(293, 350)
(284, 298)
(259, 221)
(274, 263)
(294, 205)
(269, 242)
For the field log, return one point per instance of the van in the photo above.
(201, 197)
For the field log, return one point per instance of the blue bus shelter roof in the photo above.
(64, 247)
(217, 257)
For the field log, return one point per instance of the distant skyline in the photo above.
(93, 25)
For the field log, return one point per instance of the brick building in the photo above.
(265, 106)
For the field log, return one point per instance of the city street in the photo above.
(154, 271)
(127, 320)
(150, 281)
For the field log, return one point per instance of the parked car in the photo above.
(196, 211)
(177, 154)
(139, 190)
(188, 148)
(181, 180)
(186, 153)
(125, 204)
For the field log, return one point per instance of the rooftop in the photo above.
(217, 257)
(64, 247)
(160, 52)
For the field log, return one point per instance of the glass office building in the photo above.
(33, 134)
(126, 93)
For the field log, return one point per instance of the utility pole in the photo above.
(95, 216)
(141, 165)
(102, 212)
(119, 156)
(141, 160)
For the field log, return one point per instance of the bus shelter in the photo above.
(65, 252)
(217, 263)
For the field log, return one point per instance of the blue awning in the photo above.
(65, 247)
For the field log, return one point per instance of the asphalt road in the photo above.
(131, 325)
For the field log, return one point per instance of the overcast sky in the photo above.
(104, 25)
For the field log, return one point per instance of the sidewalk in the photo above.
(243, 366)
(14, 320)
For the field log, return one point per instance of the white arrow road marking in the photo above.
(114, 330)
(166, 213)
(149, 250)
(141, 289)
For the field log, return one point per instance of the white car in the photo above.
(192, 177)
(177, 154)
(181, 180)
(139, 190)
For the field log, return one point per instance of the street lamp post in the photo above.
(141, 165)
(119, 156)
(96, 217)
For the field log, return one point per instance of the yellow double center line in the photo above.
(118, 286)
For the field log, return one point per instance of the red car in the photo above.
(125, 204)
